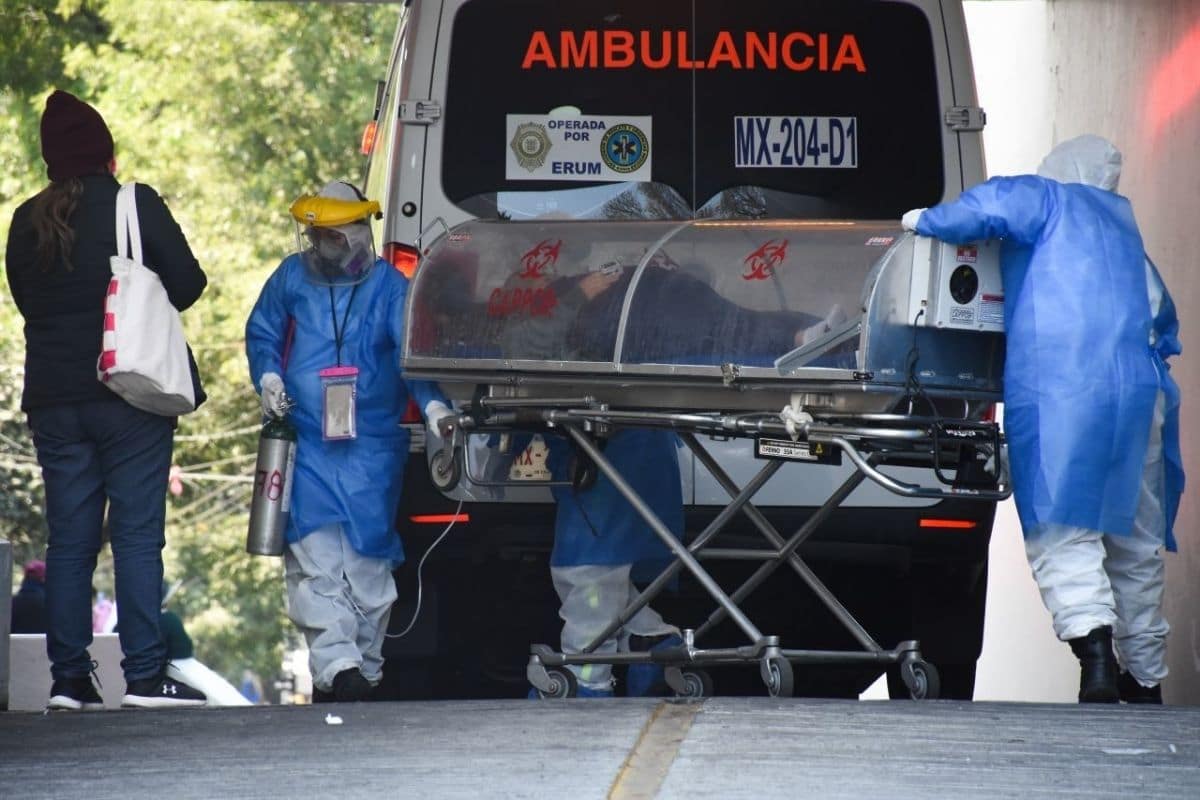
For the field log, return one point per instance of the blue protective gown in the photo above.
(1080, 376)
(354, 482)
(599, 526)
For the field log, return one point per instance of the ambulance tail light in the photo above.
(989, 413)
(403, 257)
(368, 138)
(440, 519)
(412, 414)
(948, 524)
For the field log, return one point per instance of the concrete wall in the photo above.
(1128, 70)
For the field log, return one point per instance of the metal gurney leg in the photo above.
(775, 663)
(764, 648)
(919, 676)
(545, 666)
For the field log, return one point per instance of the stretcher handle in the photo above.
(1002, 492)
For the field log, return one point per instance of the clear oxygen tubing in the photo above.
(420, 566)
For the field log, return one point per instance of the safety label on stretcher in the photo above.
(822, 142)
(786, 449)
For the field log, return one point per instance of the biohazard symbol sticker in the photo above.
(540, 260)
(624, 148)
(530, 143)
(762, 263)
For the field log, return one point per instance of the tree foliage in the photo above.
(230, 110)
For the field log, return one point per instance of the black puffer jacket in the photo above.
(64, 309)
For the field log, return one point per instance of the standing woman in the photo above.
(94, 448)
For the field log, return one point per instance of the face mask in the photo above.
(332, 251)
(338, 255)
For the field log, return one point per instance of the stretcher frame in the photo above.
(868, 439)
(860, 389)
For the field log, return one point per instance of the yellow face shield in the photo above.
(328, 212)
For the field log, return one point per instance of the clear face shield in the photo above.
(333, 235)
(336, 256)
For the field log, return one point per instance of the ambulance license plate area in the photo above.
(787, 450)
(530, 463)
(796, 142)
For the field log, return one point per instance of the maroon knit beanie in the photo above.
(75, 140)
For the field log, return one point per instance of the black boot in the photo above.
(1097, 666)
(1133, 692)
(349, 686)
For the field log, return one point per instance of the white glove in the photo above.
(435, 412)
(273, 396)
(910, 219)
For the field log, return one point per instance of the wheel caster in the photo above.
(563, 684)
(697, 683)
(445, 469)
(777, 675)
(921, 678)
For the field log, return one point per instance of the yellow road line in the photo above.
(648, 762)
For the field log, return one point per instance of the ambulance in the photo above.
(524, 110)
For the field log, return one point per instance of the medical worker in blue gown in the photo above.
(599, 540)
(1091, 411)
(326, 333)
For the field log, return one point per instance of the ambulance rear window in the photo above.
(678, 109)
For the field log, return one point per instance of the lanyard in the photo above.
(340, 333)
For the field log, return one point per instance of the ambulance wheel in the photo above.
(697, 683)
(921, 678)
(777, 675)
(445, 468)
(563, 683)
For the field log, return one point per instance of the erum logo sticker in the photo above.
(624, 148)
(540, 260)
(761, 264)
(968, 253)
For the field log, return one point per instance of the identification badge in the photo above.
(339, 392)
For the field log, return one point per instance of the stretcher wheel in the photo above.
(921, 678)
(445, 469)
(696, 683)
(564, 684)
(777, 675)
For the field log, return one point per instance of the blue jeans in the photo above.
(93, 453)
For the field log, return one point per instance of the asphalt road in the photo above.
(577, 749)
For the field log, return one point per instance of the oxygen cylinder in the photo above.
(271, 504)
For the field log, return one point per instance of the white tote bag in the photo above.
(144, 356)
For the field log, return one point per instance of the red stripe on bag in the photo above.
(112, 286)
(108, 360)
(110, 322)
